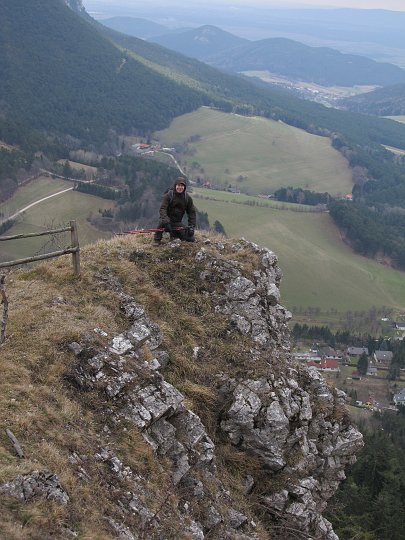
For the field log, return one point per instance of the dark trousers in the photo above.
(183, 234)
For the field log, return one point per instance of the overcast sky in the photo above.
(394, 5)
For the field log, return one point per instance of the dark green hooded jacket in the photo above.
(175, 205)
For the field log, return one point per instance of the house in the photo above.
(324, 365)
(399, 399)
(306, 356)
(383, 357)
(357, 351)
(329, 353)
(372, 370)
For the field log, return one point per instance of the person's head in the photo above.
(180, 185)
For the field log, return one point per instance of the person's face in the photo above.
(180, 188)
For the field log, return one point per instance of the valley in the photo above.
(322, 274)
(326, 95)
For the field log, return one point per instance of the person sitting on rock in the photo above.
(175, 204)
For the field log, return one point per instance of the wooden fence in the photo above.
(74, 249)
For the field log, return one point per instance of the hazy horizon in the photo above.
(390, 5)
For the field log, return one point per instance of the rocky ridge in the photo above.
(282, 419)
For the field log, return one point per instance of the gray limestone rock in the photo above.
(284, 419)
(36, 484)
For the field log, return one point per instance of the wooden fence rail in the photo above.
(74, 249)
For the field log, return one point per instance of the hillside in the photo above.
(388, 101)
(61, 76)
(254, 154)
(151, 407)
(108, 91)
(133, 26)
(321, 65)
(200, 42)
(239, 95)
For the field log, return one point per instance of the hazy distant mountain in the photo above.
(320, 65)
(377, 34)
(133, 26)
(388, 101)
(200, 42)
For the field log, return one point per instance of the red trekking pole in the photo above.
(145, 231)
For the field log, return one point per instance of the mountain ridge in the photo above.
(282, 56)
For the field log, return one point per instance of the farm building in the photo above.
(383, 357)
(357, 351)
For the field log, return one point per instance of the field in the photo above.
(90, 170)
(319, 269)
(41, 187)
(266, 154)
(50, 214)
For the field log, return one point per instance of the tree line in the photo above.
(340, 337)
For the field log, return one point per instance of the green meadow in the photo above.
(33, 191)
(319, 269)
(52, 214)
(264, 154)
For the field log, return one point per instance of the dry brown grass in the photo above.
(48, 309)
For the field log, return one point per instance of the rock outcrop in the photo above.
(290, 420)
(280, 419)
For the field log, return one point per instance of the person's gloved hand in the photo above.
(190, 230)
(168, 227)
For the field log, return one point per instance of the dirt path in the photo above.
(37, 202)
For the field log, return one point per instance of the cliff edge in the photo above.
(157, 398)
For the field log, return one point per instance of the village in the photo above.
(365, 377)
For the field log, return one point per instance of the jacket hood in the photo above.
(180, 180)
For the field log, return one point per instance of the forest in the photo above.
(370, 503)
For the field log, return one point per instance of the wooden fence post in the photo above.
(4, 301)
(75, 245)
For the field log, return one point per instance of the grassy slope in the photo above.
(319, 269)
(52, 214)
(33, 191)
(271, 154)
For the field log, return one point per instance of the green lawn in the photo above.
(319, 269)
(269, 154)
